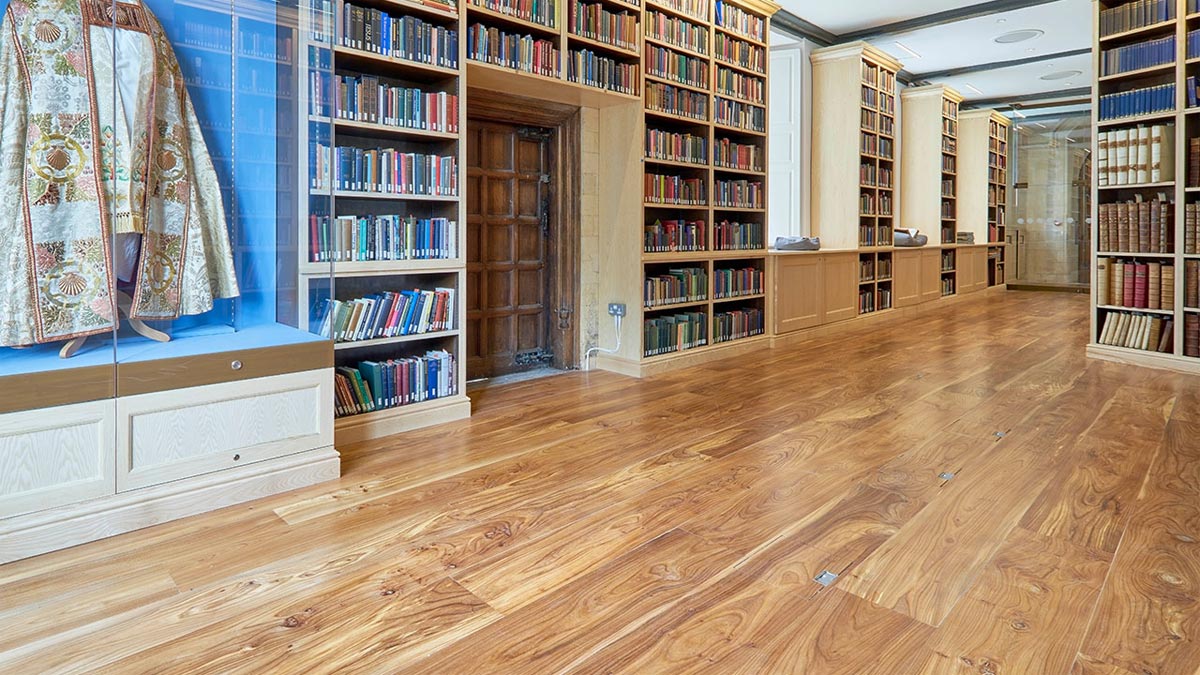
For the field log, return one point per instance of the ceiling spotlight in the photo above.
(1030, 50)
(1061, 75)
(1001, 20)
(1015, 36)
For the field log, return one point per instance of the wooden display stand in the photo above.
(1181, 353)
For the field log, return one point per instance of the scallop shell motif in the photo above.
(47, 31)
(167, 160)
(58, 159)
(72, 284)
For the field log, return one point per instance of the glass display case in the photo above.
(155, 349)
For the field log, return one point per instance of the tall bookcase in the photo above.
(998, 132)
(1145, 308)
(929, 166)
(594, 46)
(383, 191)
(854, 190)
(704, 236)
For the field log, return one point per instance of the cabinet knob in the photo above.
(236, 365)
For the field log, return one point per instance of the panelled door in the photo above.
(509, 192)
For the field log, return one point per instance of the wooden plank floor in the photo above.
(590, 523)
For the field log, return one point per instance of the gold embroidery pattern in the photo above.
(57, 158)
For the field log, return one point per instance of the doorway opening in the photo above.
(522, 238)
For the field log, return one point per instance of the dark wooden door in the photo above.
(509, 188)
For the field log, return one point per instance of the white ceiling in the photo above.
(853, 15)
(1065, 24)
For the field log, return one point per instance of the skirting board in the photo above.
(679, 360)
(1137, 357)
(398, 420)
(62, 527)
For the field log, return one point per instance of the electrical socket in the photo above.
(616, 309)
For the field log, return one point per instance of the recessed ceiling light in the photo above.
(1015, 36)
(1001, 20)
(1030, 50)
(1061, 75)
(973, 88)
(905, 49)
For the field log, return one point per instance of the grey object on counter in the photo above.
(904, 239)
(798, 244)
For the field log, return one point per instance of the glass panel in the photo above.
(213, 246)
(1049, 234)
(56, 307)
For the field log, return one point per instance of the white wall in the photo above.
(789, 140)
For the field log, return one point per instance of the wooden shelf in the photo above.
(650, 77)
(738, 130)
(367, 194)
(1138, 31)
(741, 209)
(685, 207)
(672, 162)
(542, 30)
(667, 45)
(616, 50)
(1166, 67)
(650, 4)
(393, 130)
(1166, 312)
(1107, 254)
(737, 298)
(675, 118)
(399, 339)
(1138, 186)
(1138, 119)
(744, 38)
(738, 98)
(430, 10)
(737, 66)
(675, 306)
(744, 172)
(389, 268)
(416, 66)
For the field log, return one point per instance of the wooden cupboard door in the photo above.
(972, 269)
(906, 278)
(799, 292)
(841, 286)
(508, 311)
(931, 273)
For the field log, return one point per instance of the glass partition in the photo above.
(1049, 239)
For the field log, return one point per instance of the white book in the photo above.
(1141, 169)
(1122, 166)
(1156, 142)
(1102, 158)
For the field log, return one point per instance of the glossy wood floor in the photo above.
(593, 523)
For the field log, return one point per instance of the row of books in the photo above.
(675, 101)
(676, 147)
(949, 163)
(740, 115)
(734, 235)
(739, 53)
(697, 9)
(369, 238)
(737, 324)
(1191, 335)
(676, 66)
(949, 109)
(1193, 44)
(1142, 101)
(366, 98)
(948, 187)
(1192, 89)
(1137, 226)
(874, 299)
(734, 283)
(669, 189)
(665, 236)
(734, 83)
(949, 145)
(591, 69)
(866, 268)
(544, 12)
(1132, 156)
(949, 212)
(871, 174)
(948, 258)
(380, 385)
(949, 128)
(678, 32)
(737, 20)
(404, 37)
(513, 50)
(595, 22)
(678, 285)
(386, 315)
(875, 205)
(1138, 55)
(1138, 331)
(730, 154)
(1140, 285)
(1137, 14)
(673, 333)
(390, 171)
(1191, 284)
(1191, 228)
(1193, 166)
(870, 98)
(740, 193)
(870, 235)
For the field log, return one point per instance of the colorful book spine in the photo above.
(380, 385)
(400, 37)
(738, 236)
(1143, 101)
(666, 236)
(737, 20)
(1140, 55)
(674, 146)
(678, 67)
(737, 282)
(677, 32)
(390, 171)
(676, 286)
(597, 23)
(369, 238)
(1134, 15)
(367, 98)
(513, 50)
(742, 194)
(737, 324)
(594, 70)
(673, 100)
(678, 190)
(740, 53)
(386, 315)
(673, 333)
(543, 12)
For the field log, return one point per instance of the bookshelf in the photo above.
(983, 190)
(384, 190)
(854, 191)
(1145, 288)
(591, 47)
(929, 166)
(998, 134)
(704, 245)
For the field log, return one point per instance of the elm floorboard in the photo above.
(595, 523)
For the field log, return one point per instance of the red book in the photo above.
(1141, 298)
(1128, 284)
